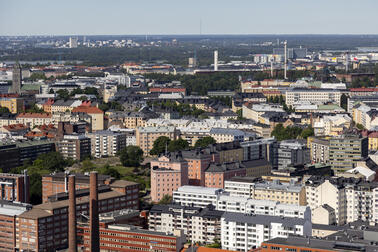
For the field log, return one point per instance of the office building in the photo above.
(292, 153)
(72, 43)
(317, 96)
(14, 187)
(319, 150)
(346, 150)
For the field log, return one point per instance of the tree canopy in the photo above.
(131, 156)
(205, 141)
(160, 145)
(282, 133)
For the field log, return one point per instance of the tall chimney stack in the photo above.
(93, 214)
(285, 63)
(26, 186)
(215, 60)
(72, 243)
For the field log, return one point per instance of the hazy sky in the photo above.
(71, 17)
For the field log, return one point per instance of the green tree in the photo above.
(111, 171)
(87, 165)
(344, 102)
(160, 145)
(307, 132)
(63, 94)
(131, 156)
(179, 144)
(37, 76)
(52, 161)
(360, 126)
(4, 110)
(34, 109)
(167, 199)
(204, 142)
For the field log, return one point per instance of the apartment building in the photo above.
(286, 193)
(14, 104)
(106, 143)
(197, 196)
(217, 173)
(14, 187)
(229, 151)
(312, 95)
(319, 150)
(34, 119)
(222, 135)
(146, 136)
(56, 183)
(321, 192)
(9, 211)
(77, 147)
(199, 224)
(243, 232)
(346, 150)
(64, 105)
(202, 196)
(168, 173)
(96, 115)
(331, 125)
(198, 162)
(260, 149)
(133, 120)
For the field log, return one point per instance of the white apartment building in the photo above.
(106, 143)
(241, 232)
(317, 96)
(197, 196)
(319, 193)
(374, 212)
(199, 224)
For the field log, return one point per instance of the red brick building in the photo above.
(58, 183)
(14, 187)
(127, 238)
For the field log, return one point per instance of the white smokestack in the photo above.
(285, 65)
(215, 60)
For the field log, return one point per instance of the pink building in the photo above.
(216, 174)
(168, 173)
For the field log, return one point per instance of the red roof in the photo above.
(34, 115)
(49, 102)
(364, 89)
(167, 90)
(86, 103)
(18, 126)
(9, 95)
(88, 110)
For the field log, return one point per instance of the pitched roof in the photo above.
(88, 110)
(34, 115)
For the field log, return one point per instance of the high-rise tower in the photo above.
(17, 78)
(215, 60)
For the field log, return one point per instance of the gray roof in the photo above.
(262, 219)
(223, 131)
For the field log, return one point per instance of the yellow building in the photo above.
(146, 136)
(96, 114)
(14, 104)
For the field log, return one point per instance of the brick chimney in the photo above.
(93, 214)
(72, 243)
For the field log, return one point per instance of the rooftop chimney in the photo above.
(26, 186)
(72, 244)
(93, 214)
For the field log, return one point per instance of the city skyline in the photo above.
(195, 17)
